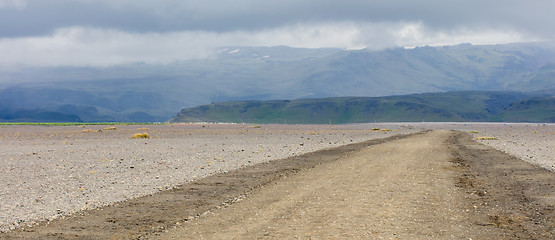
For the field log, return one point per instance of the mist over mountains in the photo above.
(147, 92)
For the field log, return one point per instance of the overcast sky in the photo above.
(108, 32)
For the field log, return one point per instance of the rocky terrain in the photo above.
(49, 172)
(531, 142)
(52, 172)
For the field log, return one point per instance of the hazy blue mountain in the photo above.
(155, 92)
(36, 115)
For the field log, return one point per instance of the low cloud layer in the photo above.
(102, 32)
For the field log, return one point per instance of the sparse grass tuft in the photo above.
(89, 130)
(140, 135)
(255, 126)
(142, 128)
(386, 130)
(375, 129)
(110, 128)
(473, 131)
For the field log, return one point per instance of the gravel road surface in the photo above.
(51, 172)
(432, 185)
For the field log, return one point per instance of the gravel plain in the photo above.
(52, 172)
(532, 142)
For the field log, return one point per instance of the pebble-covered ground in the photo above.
(50, 172)
(531, 142)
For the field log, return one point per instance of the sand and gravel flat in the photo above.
(532, 142)
(49, 172)
(429, 185)
(393, 190)
(435, 185)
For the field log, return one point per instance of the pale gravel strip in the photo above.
(532, 142)
(46, 173)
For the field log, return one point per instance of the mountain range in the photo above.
(144, 92)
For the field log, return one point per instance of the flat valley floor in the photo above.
(438, 184)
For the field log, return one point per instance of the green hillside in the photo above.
(429, 107)
(531, 110)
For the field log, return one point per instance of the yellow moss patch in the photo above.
(90, 130)
(140, 135)
(386, 130)
(142, 128)
(473, 131)
(375, 129)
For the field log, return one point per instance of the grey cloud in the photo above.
(111, 32)
(41, 17)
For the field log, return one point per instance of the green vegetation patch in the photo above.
(75, 124)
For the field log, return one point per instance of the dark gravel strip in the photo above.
(515, 198)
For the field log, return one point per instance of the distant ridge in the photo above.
(428, 107)
(530, 110)
(36, 115)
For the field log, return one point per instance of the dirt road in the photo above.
(436, 185)
(406, 189)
